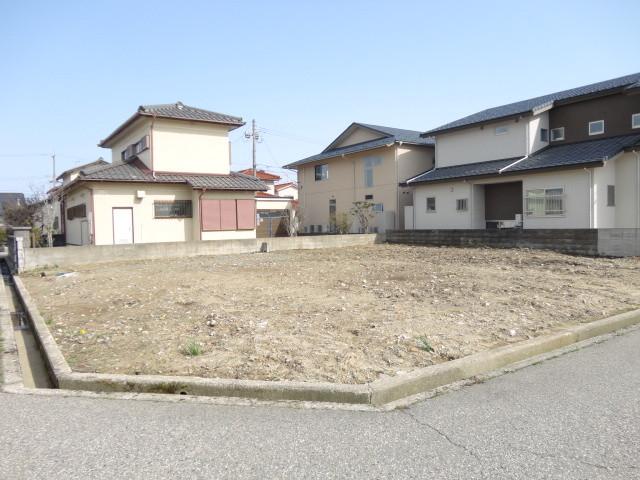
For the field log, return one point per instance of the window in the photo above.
(79, 211)
(611, 195)
(596, 128)
(135, 148)
(322, 172)
(635, 120)
(378, 207)
(501, 130)
(332, 214)
(431, 204)
(172, 209)
(369, 164)
(368, 197)
(557, 134)
(462, 204)
(544, 135)
(545, 202)
(228, 214)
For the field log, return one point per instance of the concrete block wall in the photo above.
(575, 241)
(619, 242)
(34, 258)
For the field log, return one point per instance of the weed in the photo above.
(192, 349)
(423, 344)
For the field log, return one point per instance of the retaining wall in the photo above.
(575, 241)
(72, 255)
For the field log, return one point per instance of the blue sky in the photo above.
(70, 72)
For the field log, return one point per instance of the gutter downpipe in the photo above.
(637, 189)
(397, 219)
(153, 121)
(93, 219)
(200, 212)
(590, 172)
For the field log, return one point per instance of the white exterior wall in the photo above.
(146, 228)
(627, 174)
(359, 135)
(576, 202)
(133, 134)
(273, 203)
(289, 192)
(535, 124)
(190, 147)
(78, 230)
(604, 216)
(481, 144)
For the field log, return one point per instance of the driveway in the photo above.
(575, 416)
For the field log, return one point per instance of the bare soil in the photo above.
(346, 315)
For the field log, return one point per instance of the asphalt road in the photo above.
(575, 416)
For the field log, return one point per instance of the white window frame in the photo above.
(464, 202)
(545, 201)
(552, 136)
(434, 205)
(502, 130)
(594, 123)
(635, 120)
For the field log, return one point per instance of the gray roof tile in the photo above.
(136, 172)
(181, 111)
(392, 135)
(566, 155)
(527, 106)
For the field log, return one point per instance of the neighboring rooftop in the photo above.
(136, 171)
(390, 135)
(176, 111)
(282, 186)
(530, 106)
(591, 152)
(11, 199)
(86, 168)
(261, 175)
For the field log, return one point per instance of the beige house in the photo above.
(364, 163)
(169, 180)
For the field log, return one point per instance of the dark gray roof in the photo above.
(177, 111)
(137, 172)
(11, 199)
(86, 168)
(557, 156)
(184, 112)
(391, 135)
(537, 103)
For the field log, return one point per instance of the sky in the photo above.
(71, 72)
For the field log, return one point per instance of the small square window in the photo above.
(557, 134)
(544, 135)
(635, 120)
(431, 204)
(321, 172)
(378, 207)
(596, 128)
(501, 130)
(611, 195)
(462, 204)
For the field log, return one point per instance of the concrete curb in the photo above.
(56, 363)
(377, 393)
(11, 374)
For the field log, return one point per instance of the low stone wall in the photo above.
(619, 242)
(575, 241)
(34, 258)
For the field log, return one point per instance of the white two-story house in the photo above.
(566, 160)
(169, 180)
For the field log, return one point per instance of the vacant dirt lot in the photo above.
(344, 315)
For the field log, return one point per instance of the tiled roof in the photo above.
(391, 135)
(282, 186)
(537, 103)
(176, 111)
(556, 156)
(181, 111)
(260, 174)
(86, 168)
(136, 172)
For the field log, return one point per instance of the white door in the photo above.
(122, 226)
(84, 232)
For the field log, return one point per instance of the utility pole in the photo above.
(49, 202)
(53, 178)
(254, 135)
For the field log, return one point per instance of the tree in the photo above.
(364, 214)
(25, 214)
(292, 219)
(344, 221)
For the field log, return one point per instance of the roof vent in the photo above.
(179, 105)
